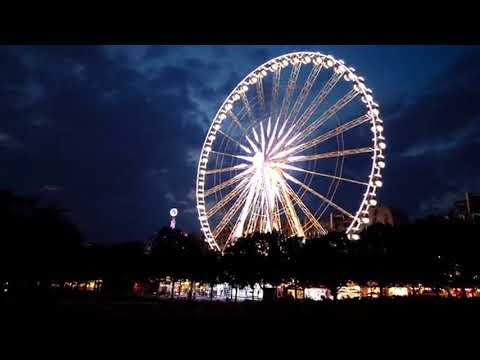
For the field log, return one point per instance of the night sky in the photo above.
(113, 133)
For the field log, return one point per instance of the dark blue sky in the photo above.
(113, 132)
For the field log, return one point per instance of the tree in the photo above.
(38, 243)
(323, 261)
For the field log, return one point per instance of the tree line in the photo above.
(39, 245)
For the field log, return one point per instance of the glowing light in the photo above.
(381, 164)
(317, 294)
(397, 291)
(355, 237)
(228, 107)
(351, 291)
(382, 145)
(373, 202)
(173, 212)
(379, 128)
(378, 183)
(365, 220)
(258, 160)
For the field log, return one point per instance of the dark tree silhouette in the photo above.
(37, 243)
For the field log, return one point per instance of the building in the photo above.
(338, 222)
(387, 216)
(467, 209)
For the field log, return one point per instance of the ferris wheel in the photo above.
(297, 147)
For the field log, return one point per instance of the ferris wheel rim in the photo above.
(374, 179)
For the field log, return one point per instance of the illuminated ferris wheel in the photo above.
(296, 147)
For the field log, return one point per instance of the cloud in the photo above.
(447, 114)
(260, 55)
(434, 140)
(192, 157)
(25, 95)
(79, 71)
(192, 195)
(123, 128)
(219, 51)
(8, 141)
(51, 188)
(441, 203)
(154, 173)
(170, 197)
(40, 121)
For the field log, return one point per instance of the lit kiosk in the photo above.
(173, 214)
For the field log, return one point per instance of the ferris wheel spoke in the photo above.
(328, 135)
(339, 105)
(295, 168)
(247, 107)
(260, 96)
(227, 183)
(327, 88)
(317, 194)
(246, 149)
(267, 216)
(282, 140)
(306, 211)
(236, 120)
(276, 222)
(261, 223)
(275, 92)
(230, 213)
(292, 82)
(262, 136)
(230, 168)
(243, 157)
(305, 91)
(289, 208)
(252, 144)
(240, 223)
(254, 213)
(331, 154)
(225, 200)
(274, 134)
